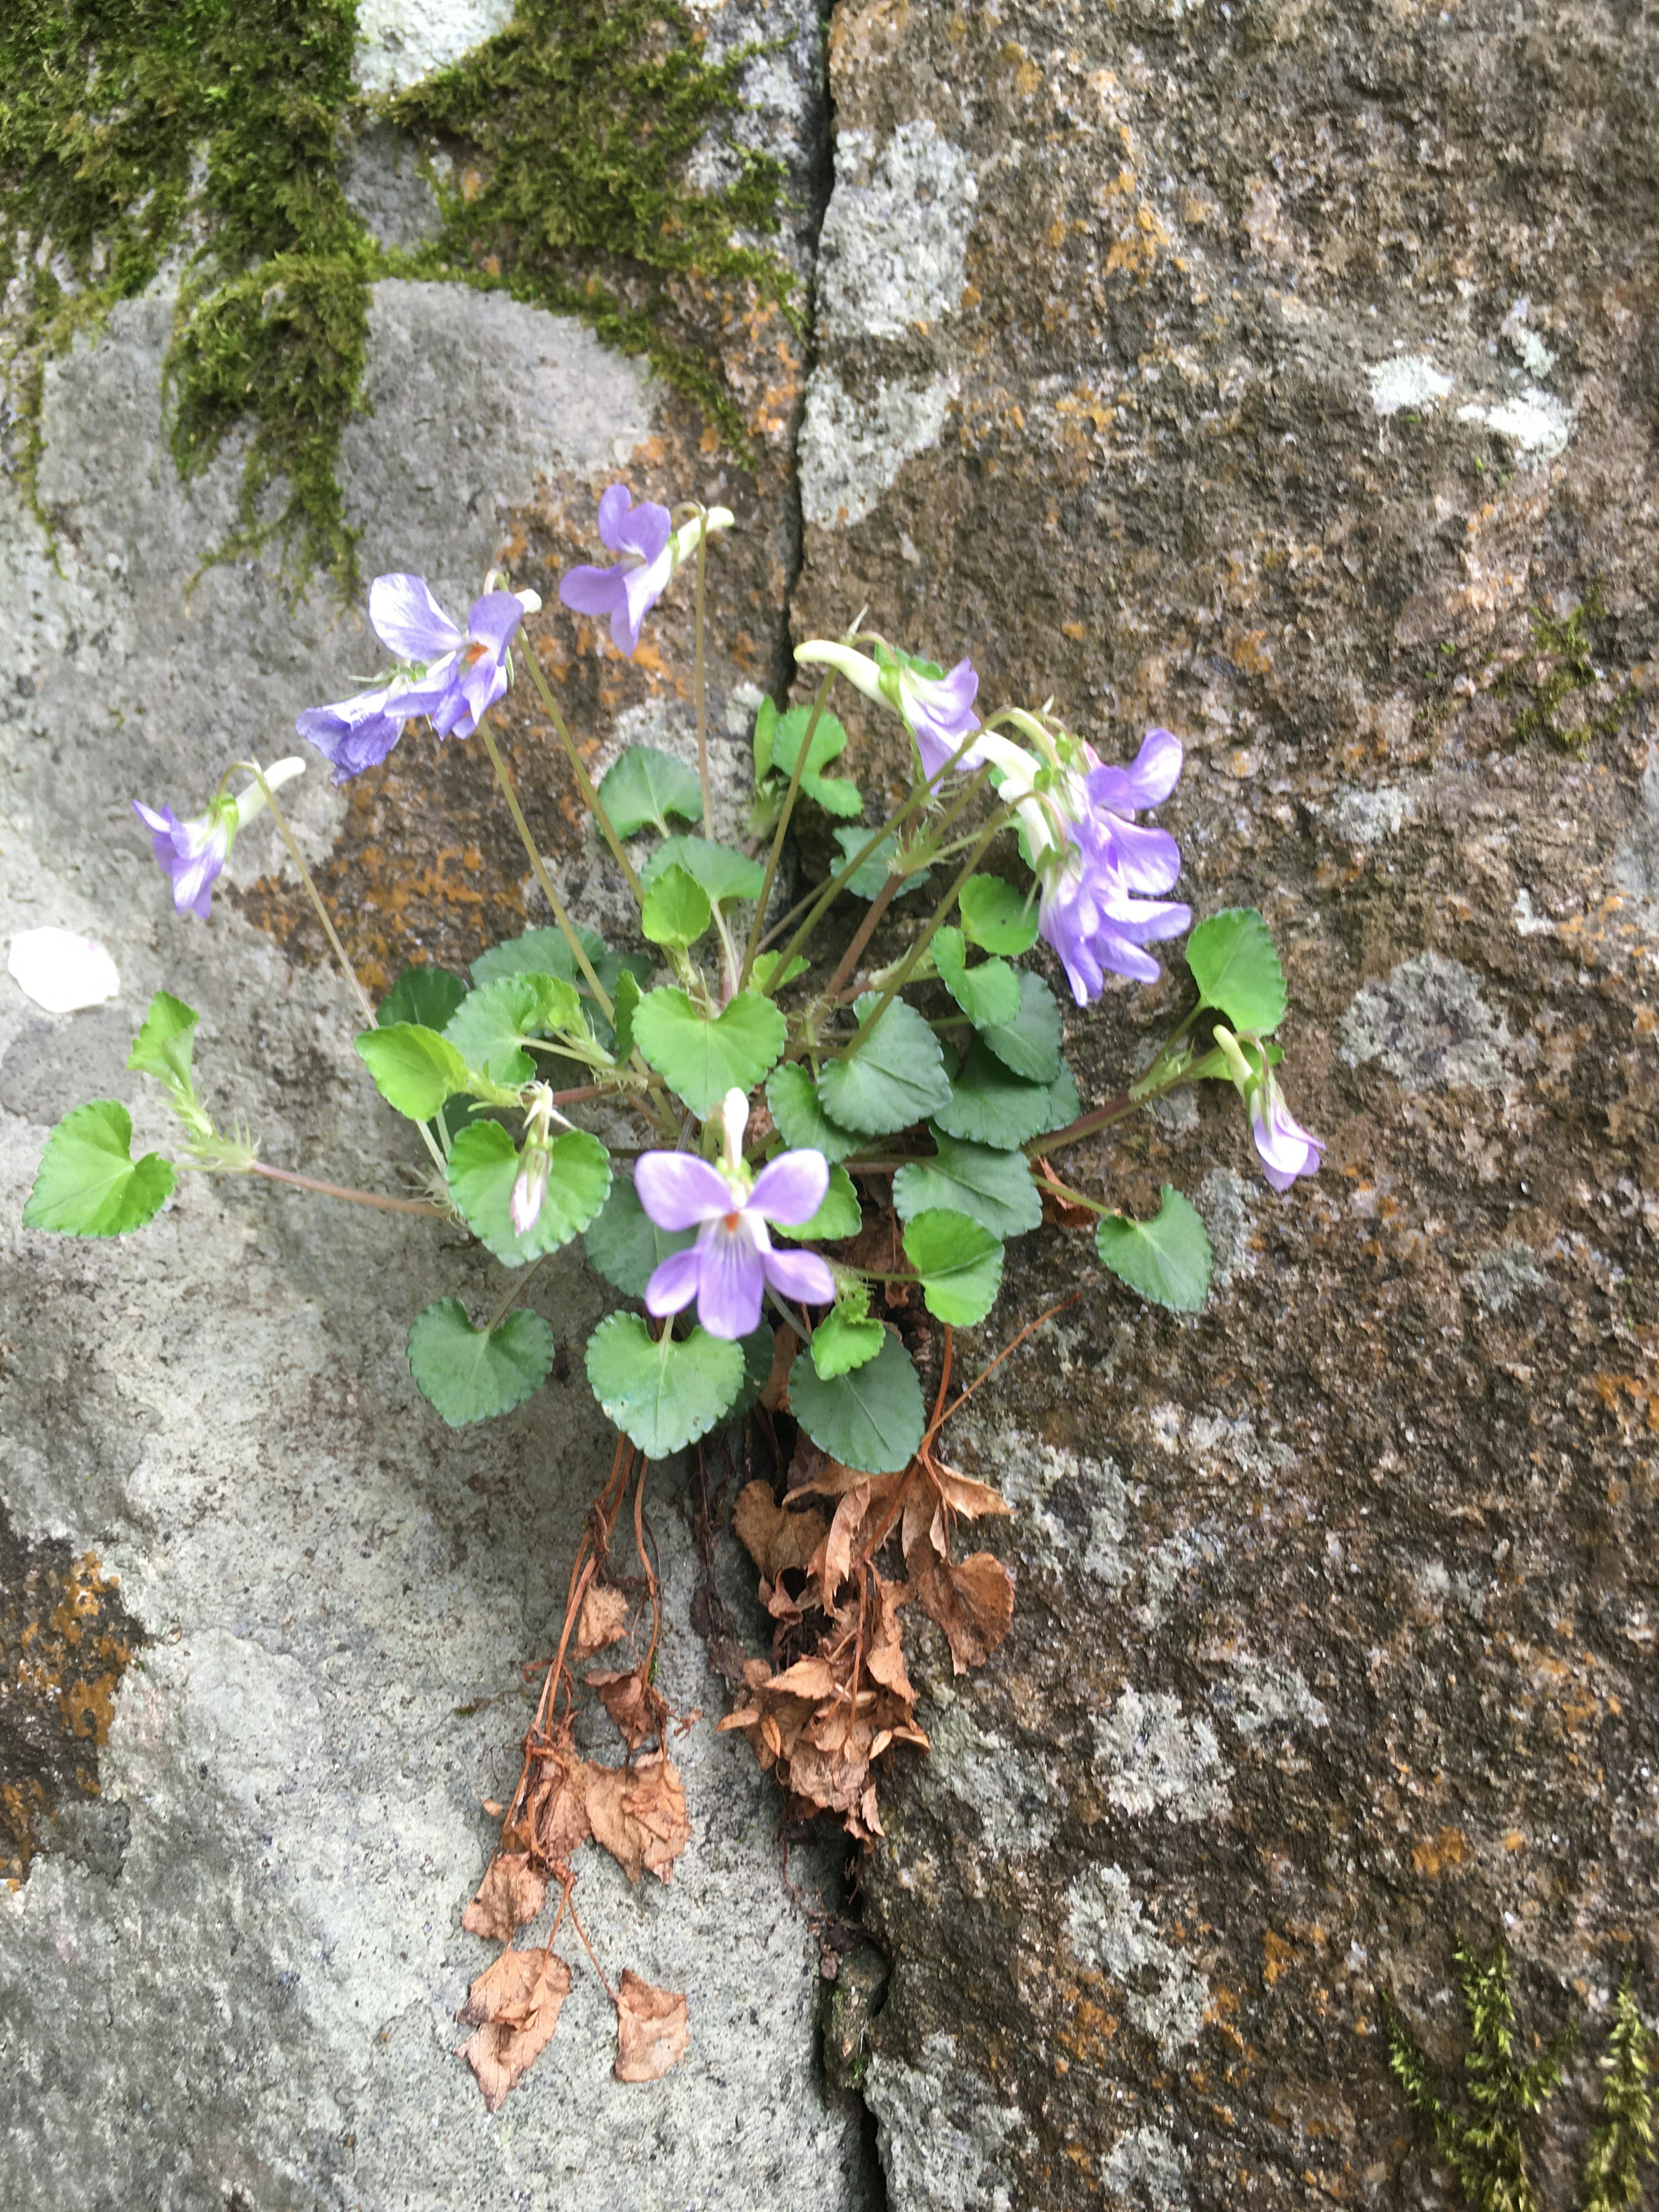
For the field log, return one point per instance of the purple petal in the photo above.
(673, 1283)
(480, 686)
(733, 1278)
(801, 1276)
(679, 1191)
(642, 589)
(408, 619)
(614, 503)
(163, 824)
(1146, 859)
(492, 620)
(791, 1189)
(1147, 781)
(1285, 1148)
(593, 591)
(354, 734)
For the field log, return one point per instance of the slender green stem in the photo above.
(1053, 1184)
(584, 781)
(577, 951)
(520, 1285)
(793, 792)
(700, 690)
(1103, 1117)
(998, 823)
(861, 936)
(341, 1190)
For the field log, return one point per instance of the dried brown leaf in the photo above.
(972, 1601)
(511, 1892)
(808, 1678)
(652, 2029)
(837, 1561)
(515, 2005)
(558, 1821)
(775, 1540)
(638, 1816)
(972, 1500)
(637, 1709)
(604, 1618)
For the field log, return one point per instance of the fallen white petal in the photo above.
(61, 971)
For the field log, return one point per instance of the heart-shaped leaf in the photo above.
(470, 1374)
(895, 1077)
(547, 952)
(723, 871)
(835, 794)
(491, 1025)
(988, 994)
(704, 1057)
(960, 1264)
(661, 1395)
(162, 1047)
(871, 874)
(483, 1166)
(992, 1188)
(414, 1069)
(424, 994)
(1168, 1259)
(675, 910)
(843, 1341)
(995, 917)
(800, 1119)
(644, 786)
(871, 1418)
(623, 1242)
(765, 971)
(840, 1215)
(1236, 964)
(88, 1184)
(990, 1105)
(1029, 1044)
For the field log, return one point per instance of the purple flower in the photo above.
(1285, 1148)
(356, 734)
(728, 1268)
(1090, 917)
(191, 853)
(937, 710)
(644, 536)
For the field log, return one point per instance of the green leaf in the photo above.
(162, 1047)
(992, 1188)
(960, 1264)
(88, 1183)
(724, 872)
(625, 1005)
(995, 917)
(793, 1096)
(1236, 963)
(765, 971)
(470, 1374)
(835, 794)
(703, 1058)
(645, 787)
(490, 1026)
(841, 1215)
(759, 1349)
(1167, 1259)
(988, 994)
(766, 720)
(867, 879)
(990, 1105)
(675, 910)
(547, 952)
(895, 1077)
(625, 1244)
(843, 1341)
(1029, 1044)
(414, 1069)
(661, 1395)
(871, 1418)
(422, 994)
(483, 1166)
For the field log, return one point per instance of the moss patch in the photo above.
(134, 132)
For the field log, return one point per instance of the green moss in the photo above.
(1623, 2141)
(210, 131)
(1572, 669)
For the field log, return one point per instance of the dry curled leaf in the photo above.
(512, 1891)
(604, 1619)
(637, 1710)
(972, 1500)
(972, 1600)
(775, 1540)
(639, 1815)
(515, 2005)
(652, 2029)
(556, 1820)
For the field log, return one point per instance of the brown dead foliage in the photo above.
(652, 2032)
(603, 1620)
(515, 2005)
(638, 1816)
(511, 1891)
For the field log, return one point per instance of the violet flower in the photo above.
(1285, 1148)
(936, 708)
(651, 549)
(729, 1267)
(192, 855)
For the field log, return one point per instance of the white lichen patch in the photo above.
(1429, 1026)
(1367, 817)
(945, 2138)
(401, 41)
(1268, 1696)
(1409, 381)
(1505, 1276)
(852, 448)
(1226, 1205)
(893, 254)
(1148, 2166)
(1015, 1800)
(1534, 421)
(1153, 1759)
(1109, 1930)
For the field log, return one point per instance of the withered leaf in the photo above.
(775, 1540)
(558, 1819)
(512, 1891)
(808, 1678)
(972, 1500)
(637, 1709)
(972, 1601)
(837, 1563)
(604, 1618)
(652, 2029)
(515, 2005)
(638, 1816)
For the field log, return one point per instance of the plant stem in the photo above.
(1114, 1110)
(584, 781)
(779, 834)
(513, 1295)
(1053, 1184)
(700, 691)
(578, 953)
(341, 1190)
(861, 936)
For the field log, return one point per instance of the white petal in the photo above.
(61, 971)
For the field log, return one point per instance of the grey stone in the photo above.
(1429, 1026)
(944, 2136)
(1164, 1993)
(1505, 1276)
(383, 178)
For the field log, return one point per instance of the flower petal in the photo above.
(1147, 781)
(408, 619)
(673, 1283)
(1146, 859)
(801, 1276)
(614, 503)
(493, 619)
(733, 1280)
(642, 589)
(591, 591)
(679, 1191)
(791, 1189)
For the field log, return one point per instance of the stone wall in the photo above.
(1285, 373)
